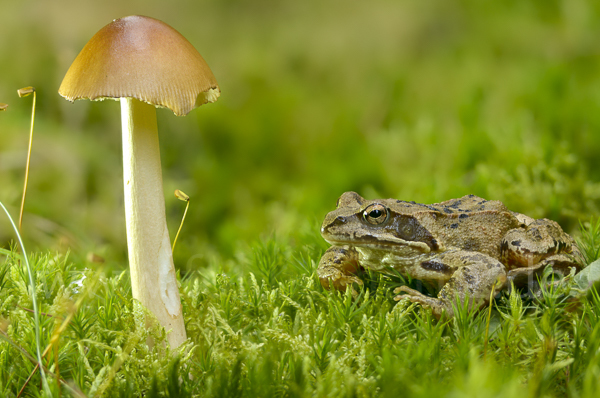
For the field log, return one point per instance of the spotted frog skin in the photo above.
(466, 246)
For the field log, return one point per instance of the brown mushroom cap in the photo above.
(143, 58)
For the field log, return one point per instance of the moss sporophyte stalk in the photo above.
(184, 198)
(25, 92)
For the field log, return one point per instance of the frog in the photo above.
(468, 248)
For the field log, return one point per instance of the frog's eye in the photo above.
(376, 214)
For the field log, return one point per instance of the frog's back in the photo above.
(467, 204)
(469, 223)
(471, 204)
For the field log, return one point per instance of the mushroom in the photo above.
(146, 64)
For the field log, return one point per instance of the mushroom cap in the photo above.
(143, 58)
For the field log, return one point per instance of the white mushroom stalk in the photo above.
(153, 279)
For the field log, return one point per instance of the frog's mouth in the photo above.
(390, 243)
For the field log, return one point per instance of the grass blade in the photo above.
(36, 315)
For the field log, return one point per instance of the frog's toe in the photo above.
(410, 293)
(437, 306)
(406, 289)
(338, 279)
(346, 280)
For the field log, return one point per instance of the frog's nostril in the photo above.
(340, 219)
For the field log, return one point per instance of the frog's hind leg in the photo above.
(528, 276)
(338, 267)
(473, 282)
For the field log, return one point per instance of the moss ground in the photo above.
(421, 101)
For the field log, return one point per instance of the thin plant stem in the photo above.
(24, 92)
(56, 368)
(37, 366)
(36, 315)
(487, 323)
(183, 197)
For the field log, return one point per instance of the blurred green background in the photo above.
(417, 100)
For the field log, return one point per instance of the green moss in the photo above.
(283, 335)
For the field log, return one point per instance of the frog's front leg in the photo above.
(338, 267)
(475, 276)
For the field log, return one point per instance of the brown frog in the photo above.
(467, 246)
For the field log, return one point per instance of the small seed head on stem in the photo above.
(3, 106)
(184, 198)
(25, 91)
(181, 195)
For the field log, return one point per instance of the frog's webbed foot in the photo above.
(472, 282)
(338, 267)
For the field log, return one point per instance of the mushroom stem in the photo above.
(153, 279)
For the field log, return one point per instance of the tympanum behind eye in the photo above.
(407, 231)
